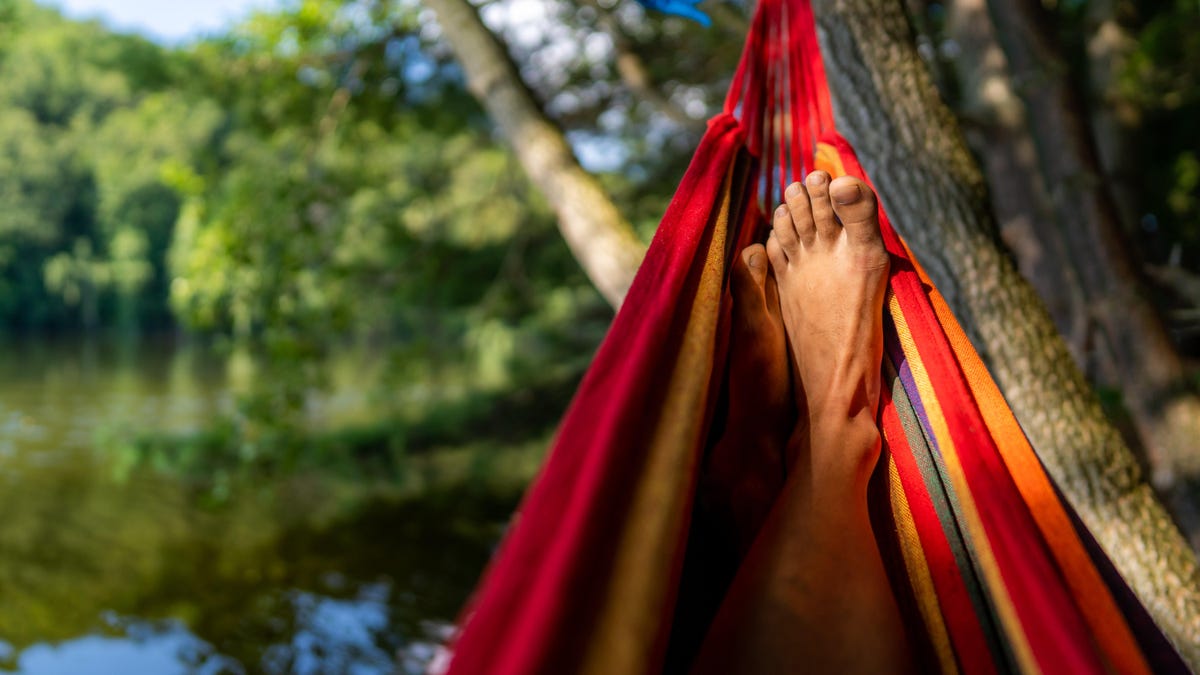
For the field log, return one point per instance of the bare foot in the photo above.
(812, 594)
(832, 268)
(744, 471)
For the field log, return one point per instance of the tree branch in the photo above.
(633, 73)
(599, 237)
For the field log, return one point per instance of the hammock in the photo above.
(608, 568)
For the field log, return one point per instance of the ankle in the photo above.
(851, 447)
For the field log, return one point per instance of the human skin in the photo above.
(812, 595)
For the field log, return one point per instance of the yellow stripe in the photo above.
(918, 573)
(980, 543)
(1092, 595)
(630, 622)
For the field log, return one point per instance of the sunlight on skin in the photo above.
(814, 569)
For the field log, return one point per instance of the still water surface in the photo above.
(104, 569)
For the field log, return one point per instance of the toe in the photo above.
(775, 253)
(798, 204)
(748, 282)
(785, 231)
(855, 205)
(771, 297)
(755, 259)
(822, 211)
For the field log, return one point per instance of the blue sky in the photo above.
(163, 20)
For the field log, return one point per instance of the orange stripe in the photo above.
(828, 160)
(1091, 594)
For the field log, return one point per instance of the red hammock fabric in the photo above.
(609, 567)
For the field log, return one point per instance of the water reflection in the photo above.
(166, 650)
(104, 570)
(59, 394)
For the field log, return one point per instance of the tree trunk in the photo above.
(994, 123)
(1131, 349)
(997, 127)
(600, 238)
(1114, 117)
(887, 107)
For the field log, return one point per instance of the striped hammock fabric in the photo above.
(610, 568)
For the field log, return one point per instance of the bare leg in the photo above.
(744, 472)
(812, 594)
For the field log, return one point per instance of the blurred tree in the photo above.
(599, 236)
(45, 196)
(364, 200)
(1127, 347)
(78, 277)
(1058, 206)
(131, 155)
(86, 219)
(1162, 82)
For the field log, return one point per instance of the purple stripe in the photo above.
(904, 371)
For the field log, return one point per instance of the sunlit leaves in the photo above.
(84, 132)
(1164, 70)
(36, 172)
(315, 176)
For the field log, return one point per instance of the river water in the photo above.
(106, 568)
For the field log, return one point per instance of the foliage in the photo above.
(1163, 77)
(363, 200)
(319, 175)
(357, 204)
(84, 114)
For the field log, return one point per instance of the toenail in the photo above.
(755, 260)
(849, 196)
(793, 190)
(780, 211)
(816, 178)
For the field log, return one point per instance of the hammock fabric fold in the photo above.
(611, 564)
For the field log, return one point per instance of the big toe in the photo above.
(750, 277)
(855, 205)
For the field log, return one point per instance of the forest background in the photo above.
(319, 179)
(319, 175)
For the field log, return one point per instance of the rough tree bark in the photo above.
(599, 236)
(1130, 348)
(886, 105)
